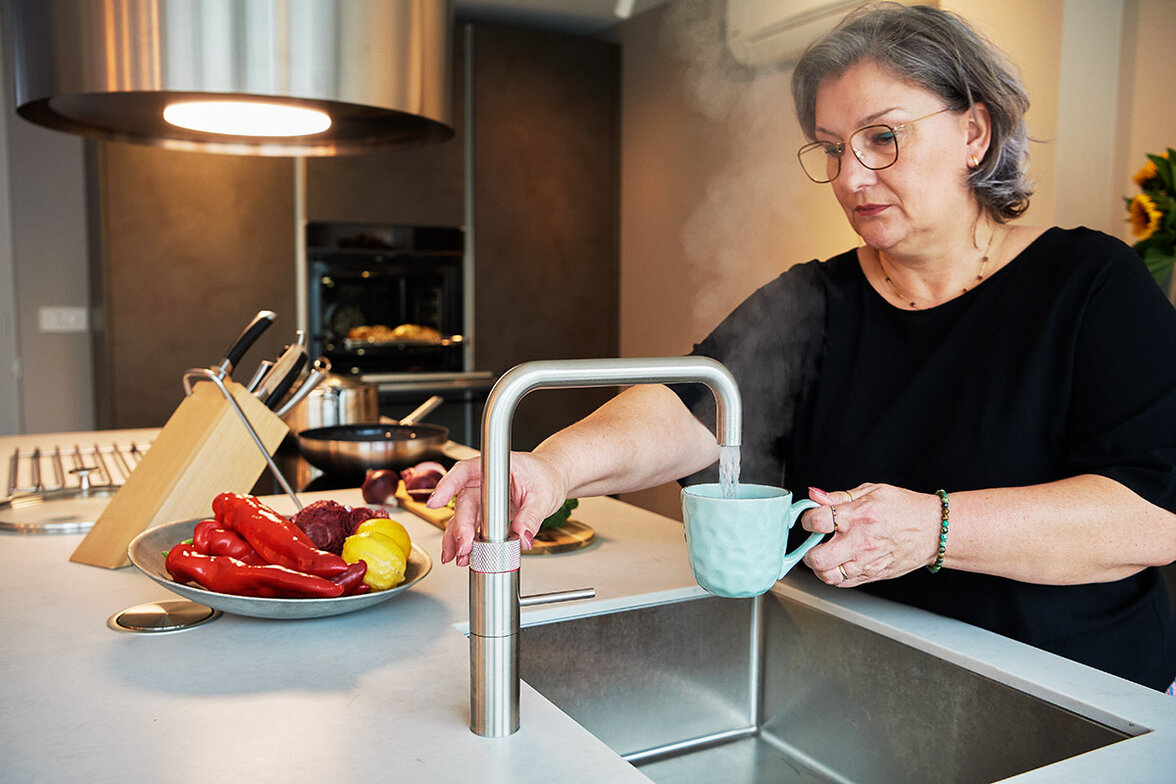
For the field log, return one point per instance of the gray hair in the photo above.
(939, 52)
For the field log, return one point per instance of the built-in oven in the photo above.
(385, 298)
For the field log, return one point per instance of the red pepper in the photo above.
(209, 538)
(276, 539)
(352, 579)
(224, 574)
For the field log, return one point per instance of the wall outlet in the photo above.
(64, 319)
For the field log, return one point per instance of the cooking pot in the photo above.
(338, 400)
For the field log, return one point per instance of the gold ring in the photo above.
(849, 495)
(841, 568)
(834, 510)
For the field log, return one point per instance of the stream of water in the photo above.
(729, 471)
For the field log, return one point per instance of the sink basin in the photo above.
(775, 690)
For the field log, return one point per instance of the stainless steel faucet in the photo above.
(495, 556)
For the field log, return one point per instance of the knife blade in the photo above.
(284, 385)
(251, 333)
(281, 367)
(259, 374)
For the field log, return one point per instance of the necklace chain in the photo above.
(914, 305)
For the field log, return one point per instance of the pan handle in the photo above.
(422, 410)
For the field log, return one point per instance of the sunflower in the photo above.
(1144, 215)
(1144, 176)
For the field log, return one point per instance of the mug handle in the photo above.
(792, 558)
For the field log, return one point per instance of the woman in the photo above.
(992, 401)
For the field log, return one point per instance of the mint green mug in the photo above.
(738, 545)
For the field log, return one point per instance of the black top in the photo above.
(1061, 363)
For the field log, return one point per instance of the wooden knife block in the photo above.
(203, 450)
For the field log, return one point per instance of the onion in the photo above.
(380, 485)
(422, 479)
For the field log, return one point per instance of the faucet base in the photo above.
(494, 653)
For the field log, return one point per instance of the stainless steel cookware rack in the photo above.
(57, 467)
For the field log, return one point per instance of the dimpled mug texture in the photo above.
(736, 545)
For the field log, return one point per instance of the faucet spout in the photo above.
(495, 557)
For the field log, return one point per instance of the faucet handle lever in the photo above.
(557, 596)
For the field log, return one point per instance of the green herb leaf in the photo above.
(561, 515)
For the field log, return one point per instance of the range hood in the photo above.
(377, 70)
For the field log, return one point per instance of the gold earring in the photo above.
(974, 161)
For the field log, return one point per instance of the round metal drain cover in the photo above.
(171, 616)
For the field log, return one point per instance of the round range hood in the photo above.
(364, 73)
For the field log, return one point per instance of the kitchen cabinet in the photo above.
(191, 245)
(544, 133)
(546, 170)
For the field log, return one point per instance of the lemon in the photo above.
(390, 528)
(385, 561)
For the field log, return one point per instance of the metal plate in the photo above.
(147, 550)
(68, 511)
(158, 617)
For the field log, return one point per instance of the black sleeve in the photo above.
(1122, 417)
(771, 344)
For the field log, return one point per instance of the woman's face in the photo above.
(919, 204)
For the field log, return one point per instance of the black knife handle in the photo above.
(284, 385)
(260, 323)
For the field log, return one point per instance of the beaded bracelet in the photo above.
(943, 523)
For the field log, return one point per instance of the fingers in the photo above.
(841, 496)
(463, 474)
(843, 575)
(825, 519)
(461, 528)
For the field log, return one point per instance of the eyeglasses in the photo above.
(875, 146)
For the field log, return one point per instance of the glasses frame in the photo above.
(839, 147)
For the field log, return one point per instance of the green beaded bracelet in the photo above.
(943, 523)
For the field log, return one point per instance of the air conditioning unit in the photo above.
(776, 32)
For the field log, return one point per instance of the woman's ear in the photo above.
(979, 134)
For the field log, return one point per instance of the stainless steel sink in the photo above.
(773, 690)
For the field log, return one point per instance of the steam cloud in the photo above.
(738, 236)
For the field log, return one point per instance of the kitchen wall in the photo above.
(713, 204)
(45, 369)
(9, 367)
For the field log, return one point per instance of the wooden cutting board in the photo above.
(572, 535)
(438, 517)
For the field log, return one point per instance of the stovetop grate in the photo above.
(43, 469)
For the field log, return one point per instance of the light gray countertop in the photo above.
(383, 693)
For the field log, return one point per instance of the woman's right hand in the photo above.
(537, 490)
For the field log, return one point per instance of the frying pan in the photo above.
(353, 449)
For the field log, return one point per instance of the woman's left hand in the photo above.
(880, 532)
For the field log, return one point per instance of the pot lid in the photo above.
(70, 510)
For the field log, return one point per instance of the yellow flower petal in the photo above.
(1144, 216)
(1146, 173)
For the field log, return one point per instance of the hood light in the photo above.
(246, 118)
(377, 72)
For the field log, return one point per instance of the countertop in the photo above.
(383, 693)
